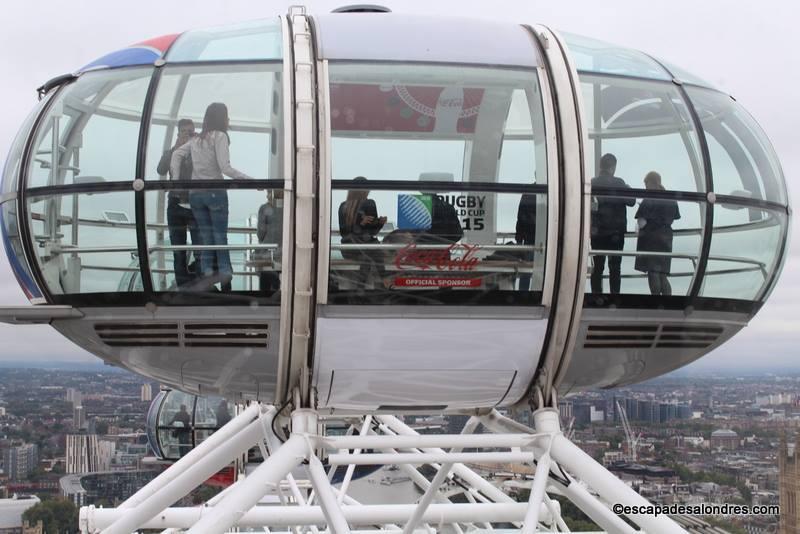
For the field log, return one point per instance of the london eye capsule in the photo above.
(380, 223)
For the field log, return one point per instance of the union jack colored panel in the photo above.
(143, 53)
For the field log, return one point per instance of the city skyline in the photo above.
(734, 60)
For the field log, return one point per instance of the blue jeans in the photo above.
(210, 209)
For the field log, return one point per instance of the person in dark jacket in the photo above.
(526, 232)
(609, 222)
(270, 230)
(655, 217)
(359, 224)
(445, 224)
(179, 214)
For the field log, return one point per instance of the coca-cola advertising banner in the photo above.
(404, 108)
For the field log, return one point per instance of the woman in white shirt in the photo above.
(210, 161)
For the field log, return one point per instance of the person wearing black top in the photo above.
(182, 432)
(526, 232)
(655, 217)
(359, 224)
(609, 222)
(179, 214)
(445, 224)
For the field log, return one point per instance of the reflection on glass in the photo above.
(252, 95)
(436, 123)
(256, 40)
(742, 159)
(660, 236)
(213, 412)
(431, 247)
(252, 242)
(647, 126)
(96, 120)
(592, 55)
(744, 250)
(175, 424)
(12, 164)
(86, 242)
(13, 248)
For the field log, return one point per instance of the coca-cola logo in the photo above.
(411, 257)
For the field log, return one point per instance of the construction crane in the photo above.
(633, 440)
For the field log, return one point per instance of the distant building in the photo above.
(724, 439)
(147, 393)
(74, 396)
(78, 417)
(106, 451)
(11, 511)
(20, 461)
(789, 487)
(2, 411)
(87, 489)
(83, 453)
(596, 415)
(565, 411)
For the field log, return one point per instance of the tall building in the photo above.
(565, 411)
(74, 396)
(83, 453)
(21, 461)
(147, 392)
(78, 417)
(789, 487)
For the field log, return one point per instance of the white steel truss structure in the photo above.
(456, 499)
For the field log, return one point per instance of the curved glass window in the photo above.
(646, 238)
(647, 127)
(91, 131)
(434, 123)
(404, 242)
(252, 95)
(662, 236)
(12, 164)
(85, 242)
(742, 159)
(253, 40)
(744, 251)
(685, 76)
(245, 225)
(14, 251)
(185, 420)
(592, 55)
(253, 241)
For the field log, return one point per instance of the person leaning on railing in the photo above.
(654, 218)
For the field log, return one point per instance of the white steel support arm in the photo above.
(330, 506)
(437, 481)
(281, 517)
(249, 491)
(190, 478)
(219, 437)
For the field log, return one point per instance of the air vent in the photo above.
(138, 334)
(225, 335)
(187, 335)
(653, 336)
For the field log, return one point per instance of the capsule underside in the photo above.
(479, 142)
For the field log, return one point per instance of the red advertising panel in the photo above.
(404, 108)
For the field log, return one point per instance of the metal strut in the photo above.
(561, 468)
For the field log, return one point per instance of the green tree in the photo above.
(58, 516)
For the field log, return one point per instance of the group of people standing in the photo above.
(203, 213)
(610, 222)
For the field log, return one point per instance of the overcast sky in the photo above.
(747, 49)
